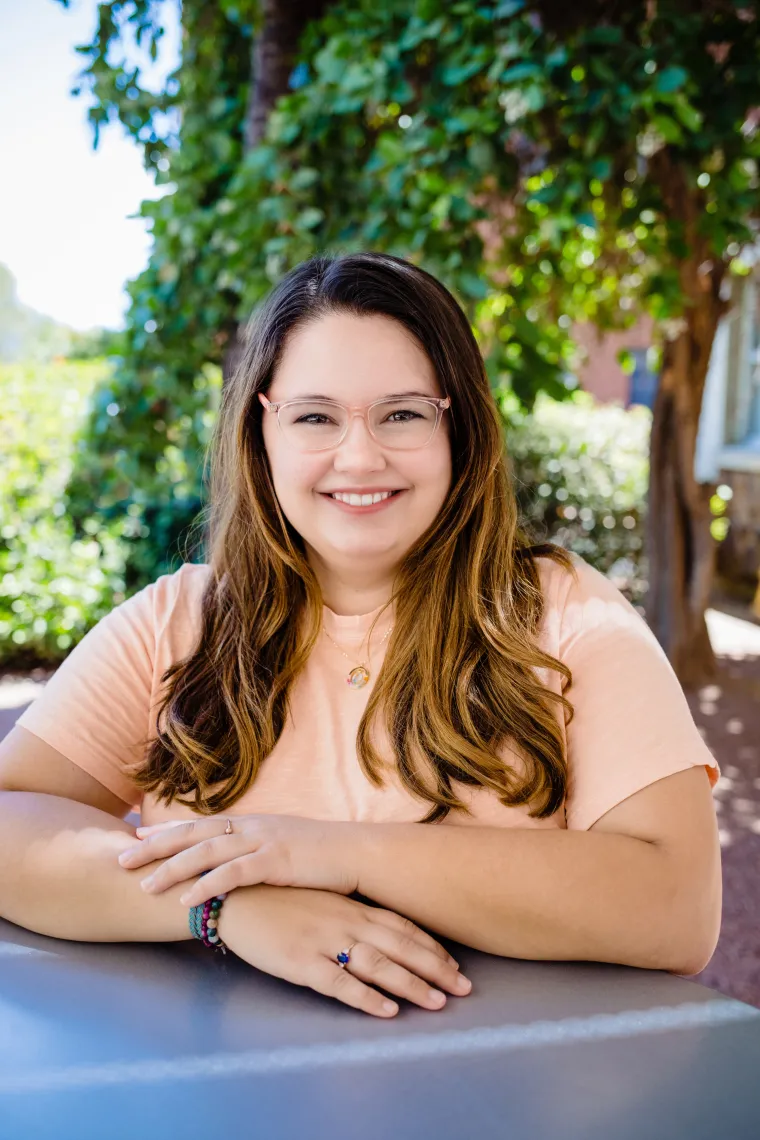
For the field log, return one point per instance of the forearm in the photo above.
(562, 895)
(60, 876)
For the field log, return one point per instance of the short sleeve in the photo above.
(632, 724)
(95, 708)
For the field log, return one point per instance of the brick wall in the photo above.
(602, 375)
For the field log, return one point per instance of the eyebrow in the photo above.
(389, 396)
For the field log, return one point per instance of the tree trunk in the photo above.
(272, 57)
(680, 547)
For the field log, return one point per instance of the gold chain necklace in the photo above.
(359, 675)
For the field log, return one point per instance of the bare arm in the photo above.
(61, 833)
(642, 887)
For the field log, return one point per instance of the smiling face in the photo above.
(356, 360)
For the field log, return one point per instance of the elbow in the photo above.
(694, 904)
(695, 957)
(693, 944)
(689, 964)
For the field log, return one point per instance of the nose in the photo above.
(358, 438)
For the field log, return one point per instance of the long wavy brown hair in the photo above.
(451, 691)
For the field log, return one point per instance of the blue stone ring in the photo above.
(345, 956)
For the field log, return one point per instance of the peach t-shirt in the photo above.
(632, 724)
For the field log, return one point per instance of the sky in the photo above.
(65, 228)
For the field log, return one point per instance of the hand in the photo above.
(296, 934)
(281, 850)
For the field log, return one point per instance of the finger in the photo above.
(247, 871)
(152, 828)
(370, 964)
(162, 844)
(328, 978)
(395, 921)
(416, 959)
(207, 855)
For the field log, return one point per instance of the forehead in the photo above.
(341, 355)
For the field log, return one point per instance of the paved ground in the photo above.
(728, 714)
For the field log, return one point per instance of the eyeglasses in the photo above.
(398, 422)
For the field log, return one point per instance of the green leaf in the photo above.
(328, 66)
(689, 116)
(356, 77)
(600, 168)
(310, 218)
(454, 75)
(557, 58)
(604, 35)
(482, 155)
(304, 178)
(508, 8)
(520, 71)
(668, 128)
(416, 34)
(402, 91)
(390, 147)
(472, 285)
(670, 80)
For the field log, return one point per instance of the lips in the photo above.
(329, 494)
(363, 509)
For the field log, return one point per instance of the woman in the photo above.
(404, 700)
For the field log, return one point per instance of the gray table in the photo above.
(113, 1041)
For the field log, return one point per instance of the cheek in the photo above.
(431, 472)
(294, 473)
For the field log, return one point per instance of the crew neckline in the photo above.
(355, 626)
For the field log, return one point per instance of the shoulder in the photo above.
(585, 604)
(172, 591)
(172, 600)
(559, 586)
(176, 599)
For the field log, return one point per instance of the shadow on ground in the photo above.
(728, 715)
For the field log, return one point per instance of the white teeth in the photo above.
(362, 500)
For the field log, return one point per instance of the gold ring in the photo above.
(228, 828)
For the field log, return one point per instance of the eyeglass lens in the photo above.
(313, 424)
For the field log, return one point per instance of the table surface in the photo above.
(109, 1041)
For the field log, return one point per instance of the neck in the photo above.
(348, 601)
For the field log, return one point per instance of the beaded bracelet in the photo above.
(203, 920)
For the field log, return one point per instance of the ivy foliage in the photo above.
(548, 172)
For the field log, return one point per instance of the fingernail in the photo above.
(184, 899)
(453, 962)
(125, 857)
(390, 1007)
(147, 884)
(437, 997)
(463, 984)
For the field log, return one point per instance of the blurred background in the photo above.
(585, 182)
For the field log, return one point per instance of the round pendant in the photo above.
(358, 677)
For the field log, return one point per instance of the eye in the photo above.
(405, 412)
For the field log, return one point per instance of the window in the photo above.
(643, 384)
(743, 395)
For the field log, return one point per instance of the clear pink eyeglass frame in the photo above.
(441, 404)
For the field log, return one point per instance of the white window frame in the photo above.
(729, 426)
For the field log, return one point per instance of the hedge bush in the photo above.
(53, 585)
(581, 473)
